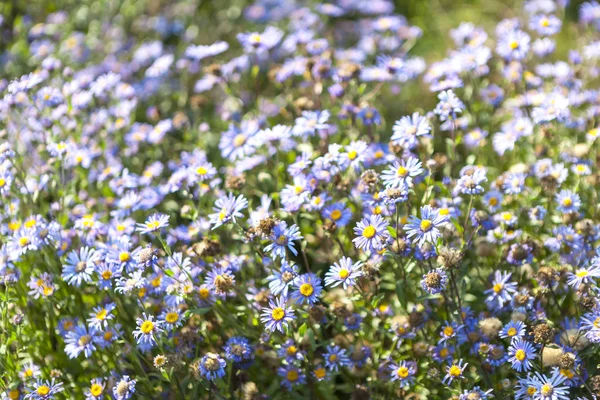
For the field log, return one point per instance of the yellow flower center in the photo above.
(85, 339)
(344, 273)
(454, 371)
(14, 394)
(291, 350)
(172, 317)
(278, 313)
(531, 390)
(43, 390)
(320, 373)
(401, 171)
(352, 154)
(426, 225)
(124, 256)
(567, 202)
(514, 45)
(292, 375)
(511, 332)
(201, 171)
(101, 315)
(153, 224)
(448, 331)
(147, 327)
(582, 273)
(336, 214)
(30, 223)
(24, 241)
(106, 275)
(547, 389)
(239, 140)
(498, 287)
(520, 355)
(493, 201)
(369, 232)
(306, 289)
(402, 372)
(96, 390)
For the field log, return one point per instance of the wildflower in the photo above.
(292, 376)
(212, 366)
(408, 129)
(170, 319)
(147, 328)
(513, 330)
(254, 41)
(124, 388)
(550, 387)
(43, 390)
(521, 353)
(501, 290)
(308, 289)
(371, 233)
(335, 357)
(96, 390)
(343, 272)
(583, 276)
(277, 315)
(449, 105)
(79, 267)
(227, 208)
(280, 281)
(568, 201)
(425, 229)
(155, 223)
(454, 371)
(401, 174)
(513, 45)
(338, 213)
(283, 238)
(403, 372)
(101, 315)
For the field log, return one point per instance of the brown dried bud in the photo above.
(584, 227)
(490, 327)
(543, 333)
(547, 275)
(416, 319)
(369, 178)
(587, 302)
(146, 254)
(449, 258)
(361, 392)
(266, 225)
(340, 309)
(433, 280)
(595, 384)
(213, 69)
(329, 226)
(317, 312)
(567, 361)
(223, 283)
(233, 182)
(207, 247)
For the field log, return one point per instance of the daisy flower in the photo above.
(343, 272)
(153, 224)
(277, 315)
(283, 238)
(425, 229)
(308, 289)
(146, 330)
(371, 234)
(454, 371)
(521, 353)
(79, 267)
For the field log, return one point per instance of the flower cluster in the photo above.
(284, 199)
